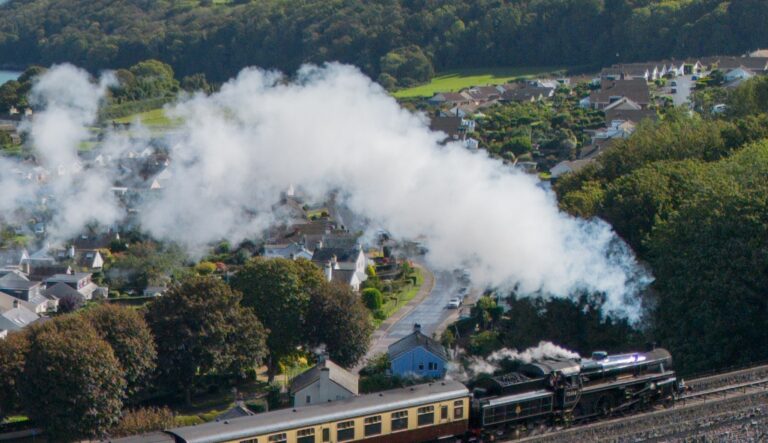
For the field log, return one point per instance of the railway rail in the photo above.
(738, 399)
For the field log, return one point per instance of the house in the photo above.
(323, 383)
(17, 318)
(344, 276)
(740, 73)
(483, 94)
(345, 258)
(450, 99)
(90, 260)
(291, 251)
(8, 302)
(19, 286)
(43, 271)
(417, 355)
(14, 259)
(239, 410)
(78, 284)
(568, 166)
(627, 110)
(455, 127)
(612, 91)
(527, 93)
(758, 65)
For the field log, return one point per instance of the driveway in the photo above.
(684, 87)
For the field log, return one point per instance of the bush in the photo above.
(379, 315)
(372, 299)
(205, 268)
(483, 343)
(70, 303)
(142, 420)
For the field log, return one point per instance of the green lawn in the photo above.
(456, 80)
(403, 297)
(153, 118)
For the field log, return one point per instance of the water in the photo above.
(8, 75)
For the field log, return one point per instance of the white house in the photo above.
(740, 73)
(324, 382)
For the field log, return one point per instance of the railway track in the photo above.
(708, 402)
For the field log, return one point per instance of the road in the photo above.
(684, 88)
(429, 310)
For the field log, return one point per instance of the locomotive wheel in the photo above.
(605, 405)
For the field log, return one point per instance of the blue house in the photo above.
(417, 355)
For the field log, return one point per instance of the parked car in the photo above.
(454, 303)
(695, 77)
(674, 90)
(674, 83)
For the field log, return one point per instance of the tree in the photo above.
(13, 350)
(339, 320)
(196, 83)
(77, 375)
(127, 333)
(200, 328)
(279, 290)
(141, 420)
(70, 303)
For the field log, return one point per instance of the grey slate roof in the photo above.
(336, 373)
(16, 282)
(238, 411)
(343, 255)
(17, 318)
(268, 422)
(343, 275)
(68, 278)
(413, 341)
(60, 290)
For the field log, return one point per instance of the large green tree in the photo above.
(13, 350)
(338, 320)
(72, 385)
(279, 292)
(200, 329)
(131, 340)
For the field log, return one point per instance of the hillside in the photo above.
(406, 39)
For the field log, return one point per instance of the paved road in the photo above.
(429, 311)
(684, 88)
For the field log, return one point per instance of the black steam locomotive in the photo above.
(572, 390)
(545, 391)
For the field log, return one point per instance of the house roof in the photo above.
(16, 318)
(526, 93)
(336, 373)
(343, 255)
(41, 272)
(85, 258)
(451, 97)
(240, 410)
(68, 278)
(751, 63)
(484, 92)
(635, 89)
(7, 301)
(12, 257)
(636, 116)
(450, 125)
(13, 281)
(61, 290)
(413, 341)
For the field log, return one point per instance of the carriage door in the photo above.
(444, 413)
(326, 435)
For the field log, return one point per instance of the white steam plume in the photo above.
(544, 350)
(334, 130)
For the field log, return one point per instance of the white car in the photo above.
(454, 303)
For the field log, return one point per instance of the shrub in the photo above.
(205, 268)
(483, 343)
(372, 298)
(142, 420)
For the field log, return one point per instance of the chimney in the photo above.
(328, 271)
(15, 304)
(325, 375)
(71, 252)
(416, 327)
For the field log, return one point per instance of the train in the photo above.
(548, 391)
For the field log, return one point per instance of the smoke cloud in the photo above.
(331, 129)
(544, 350)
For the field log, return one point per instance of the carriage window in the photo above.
(399, 420)
(278, 438)
(426, 415)
(305, 436)
(326, 435)
(458, 409)
(373, 426)
(345, 431)
(250, 440)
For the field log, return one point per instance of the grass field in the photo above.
(153, 118)
(455, 80)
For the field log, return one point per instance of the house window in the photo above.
(399, 420)
(345, 431)
(443, 412)
(305, 435)
(373, 426)
(458, 409)
(278, 438)
(432, 366)
(426, 415)
(309, 399)
(421, 366)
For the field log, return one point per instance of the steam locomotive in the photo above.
(547, 391)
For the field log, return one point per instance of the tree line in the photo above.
(399, 41)
(689, 195)
(84, 374)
